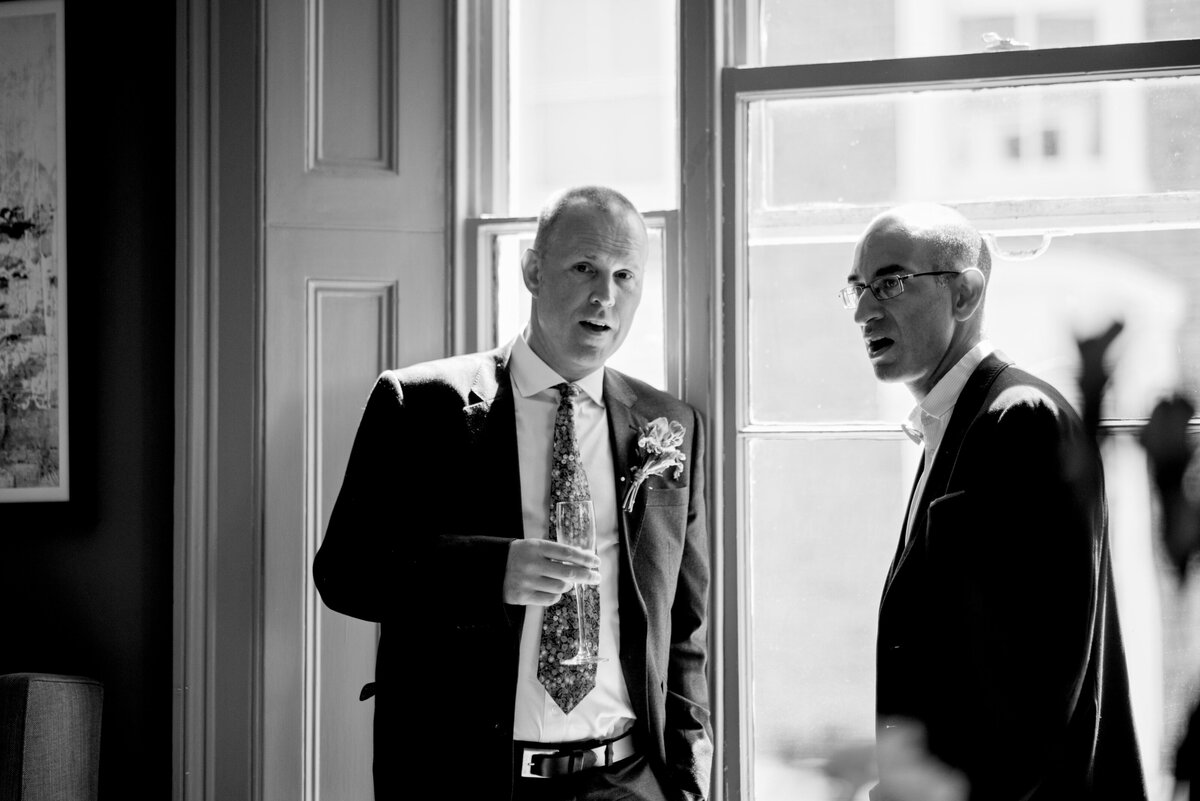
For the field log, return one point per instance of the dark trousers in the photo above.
(630, 780)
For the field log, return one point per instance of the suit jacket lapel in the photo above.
(902, 546)
(619, 400)
(497, 451)
(490, 418)
(965, 410)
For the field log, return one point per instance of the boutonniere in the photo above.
(658, 445)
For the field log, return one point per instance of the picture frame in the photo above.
(34, 457)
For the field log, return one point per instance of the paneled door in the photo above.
(355, 282)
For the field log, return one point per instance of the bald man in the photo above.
(998, 635)
(444, 532)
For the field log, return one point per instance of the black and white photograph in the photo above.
(600, 400)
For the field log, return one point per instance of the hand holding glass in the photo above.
(577, 526)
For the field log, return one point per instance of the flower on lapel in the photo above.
(658, 445)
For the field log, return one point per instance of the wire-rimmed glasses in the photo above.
(884, 287)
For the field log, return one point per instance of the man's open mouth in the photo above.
(878, 346)
(595, 326)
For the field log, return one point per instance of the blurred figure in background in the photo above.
(1000, 669)
(1171, 456)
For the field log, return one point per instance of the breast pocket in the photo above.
(949, 526)
(957, 551)
(665, 517)
(667, 496)
(948, 513)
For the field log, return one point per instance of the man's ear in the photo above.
(530, 264)
(968, 293)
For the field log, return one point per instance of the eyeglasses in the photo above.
(883, 288)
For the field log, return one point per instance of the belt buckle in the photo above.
(527, 755)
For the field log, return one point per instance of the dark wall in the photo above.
(85, 585)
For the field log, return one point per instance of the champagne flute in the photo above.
(577, 526)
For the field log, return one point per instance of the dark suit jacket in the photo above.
(418, 540)
(998, 626)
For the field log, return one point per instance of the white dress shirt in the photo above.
(605, 710)
(930, 417)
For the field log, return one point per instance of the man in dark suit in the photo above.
(442, 532)
(998, 637)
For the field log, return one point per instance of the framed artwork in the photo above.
(33, 276)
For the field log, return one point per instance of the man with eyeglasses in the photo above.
(998, 639)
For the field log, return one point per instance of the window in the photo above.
(1090, 190)
(592, 100)
(1074, 142)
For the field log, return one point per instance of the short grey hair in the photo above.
(600, 197)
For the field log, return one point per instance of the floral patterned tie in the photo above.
(567, 684)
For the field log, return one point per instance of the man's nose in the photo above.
(604, 292)
(867, 309)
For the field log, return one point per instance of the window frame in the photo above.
(741, 87)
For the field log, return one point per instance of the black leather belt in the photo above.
(546, 760)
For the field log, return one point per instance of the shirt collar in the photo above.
(531, 375)
(944, 395)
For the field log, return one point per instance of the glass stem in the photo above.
(579, 616)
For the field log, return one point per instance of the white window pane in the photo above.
(824, 520)
(806, 360)
(592, 100)
(1111, 139)
(1065, 30)
(512, 298)
(791, 32)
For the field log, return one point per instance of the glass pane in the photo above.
(1113, 138)
(643, 354)
(1158, 615)
(818, 558)
(806, 358)
(592, 91)
(791, 32)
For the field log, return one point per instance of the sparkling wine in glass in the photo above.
(577, 526)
